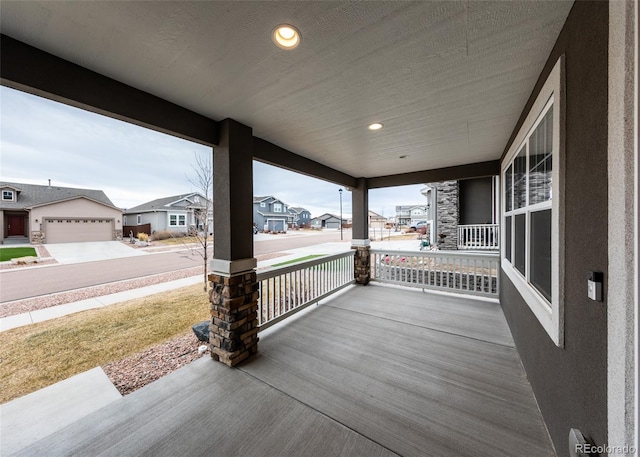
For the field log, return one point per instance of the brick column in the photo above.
(233, 331)
(362, 265)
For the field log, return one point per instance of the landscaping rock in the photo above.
(24, 260)
(201, 331)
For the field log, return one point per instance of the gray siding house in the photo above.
(299, 217)
(177, 213)
(327, 220)
(270, 214)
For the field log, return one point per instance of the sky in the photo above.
(41, 139)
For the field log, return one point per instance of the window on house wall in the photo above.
(177, 220)
(138, 219)
(7, 195)
(277, 207)
(263, 204)
(531, 172)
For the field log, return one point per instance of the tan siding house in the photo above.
(51, 214)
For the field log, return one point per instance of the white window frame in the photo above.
(138, 219)
(8, 193)
(549, 314)
(263, 205)
(277, 207)
(179, 218)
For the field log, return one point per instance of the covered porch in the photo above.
(372, 371)
(462, 90)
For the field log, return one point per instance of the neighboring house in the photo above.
(405, 214)
(178, 213)
(299, 217)
(377, 221)
(52, 214)
(326, 221)
(270, 214)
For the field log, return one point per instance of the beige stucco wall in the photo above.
(77, 208)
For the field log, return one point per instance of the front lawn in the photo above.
(38, 355)
(14, 253)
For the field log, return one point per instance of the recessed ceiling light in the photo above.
(286, 36)
(375, 126)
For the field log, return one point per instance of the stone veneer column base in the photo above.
(362, 265)
(233, 330)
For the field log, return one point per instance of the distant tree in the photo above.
(202, 180)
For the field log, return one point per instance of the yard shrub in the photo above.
(161, 235)
(143, 236)
(167, 234)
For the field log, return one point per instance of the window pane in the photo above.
(540, 165)
(540, 255)
(519, 247)
(507, 238)
(520, 179)
(508, 188)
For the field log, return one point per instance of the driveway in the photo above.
(67, 253)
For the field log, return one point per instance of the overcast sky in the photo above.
(41, 140)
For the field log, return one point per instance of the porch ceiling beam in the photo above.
(472, 170)
(32, 70)
(271, 154)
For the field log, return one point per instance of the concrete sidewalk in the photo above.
(53, 312)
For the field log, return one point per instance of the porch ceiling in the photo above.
(448, 79)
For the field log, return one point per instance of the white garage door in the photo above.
(78, 230)
(275, 225)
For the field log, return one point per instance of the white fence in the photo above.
(479, 236)
(451, 271)
(285, 291)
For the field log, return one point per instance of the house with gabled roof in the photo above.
(177, 213)
(270, 214)
(52, 214)
(299, 217)
(327, 220)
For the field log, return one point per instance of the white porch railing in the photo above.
(285, 291)
(479, 236)
(451, 271)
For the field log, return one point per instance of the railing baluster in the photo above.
(462, 272)
(285, 291)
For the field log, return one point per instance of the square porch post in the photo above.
(360, 232)
(233, 330)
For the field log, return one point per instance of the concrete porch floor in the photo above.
(373, 371)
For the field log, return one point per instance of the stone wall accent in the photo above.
(447, 214)
(37, 237)
(362, 265)
(117, 235)
(233, 331)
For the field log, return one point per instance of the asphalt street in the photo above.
(18, 284)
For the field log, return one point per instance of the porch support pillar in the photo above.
(233, 330)
(360, 231)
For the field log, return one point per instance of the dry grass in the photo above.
(185, 240)
(42, 354)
